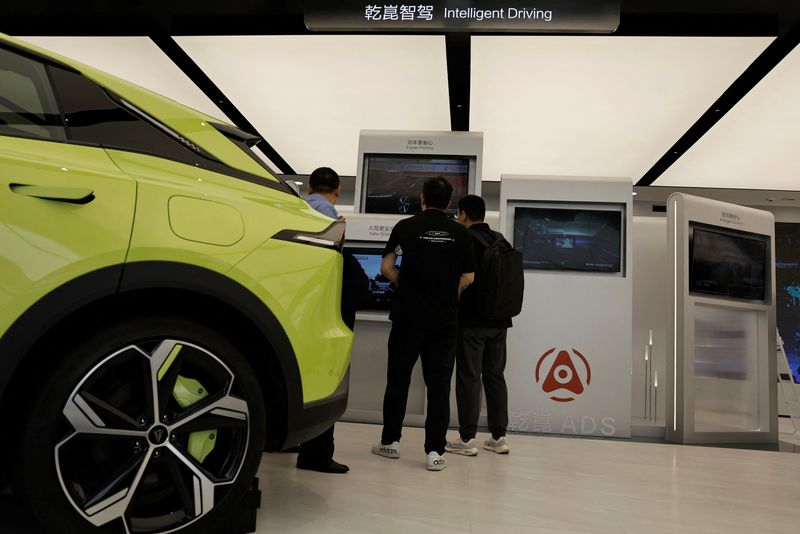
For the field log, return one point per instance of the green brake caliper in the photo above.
(188, 391)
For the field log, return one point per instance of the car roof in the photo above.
(194, 125)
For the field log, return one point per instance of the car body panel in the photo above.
(304, 293)
(300, 283)
(45, 243)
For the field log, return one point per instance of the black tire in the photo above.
(53, 452)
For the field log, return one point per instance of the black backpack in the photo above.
(500, 282)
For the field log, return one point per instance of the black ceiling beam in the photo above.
(184, 62)
(458, 46)
(763, 64)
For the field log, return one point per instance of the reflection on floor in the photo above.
(546, 485)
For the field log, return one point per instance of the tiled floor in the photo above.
(546, 485)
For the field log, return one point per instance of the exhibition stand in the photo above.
(392, 167)
(721, 365)
(569, 352)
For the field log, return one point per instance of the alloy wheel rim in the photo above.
(156, 436)
(403, 204)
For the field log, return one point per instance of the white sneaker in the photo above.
(387, 451)
(497, 445)
(459, 446)
(436, 462)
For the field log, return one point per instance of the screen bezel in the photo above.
(362, 206)
(710, 228)
(580, 206)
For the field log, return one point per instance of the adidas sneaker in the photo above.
(436, 462)
(387, 451)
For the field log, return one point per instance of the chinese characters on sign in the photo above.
(576, 16)
(380, 231)
(419, 144)
(398, 12)
(545, 423)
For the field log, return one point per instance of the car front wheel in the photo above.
(151, 425)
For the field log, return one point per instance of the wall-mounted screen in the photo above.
(381, 289)
(569, 238)
(727, 263)
(787, 291)
(392, 183)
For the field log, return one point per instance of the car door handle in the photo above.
(72, 195)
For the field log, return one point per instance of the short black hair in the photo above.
(437, 192)
(323, 180)
(473, 206)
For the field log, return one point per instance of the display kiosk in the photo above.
(569, 351)
(721, 365)
(392, 166)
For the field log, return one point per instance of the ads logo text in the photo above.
(564, 374)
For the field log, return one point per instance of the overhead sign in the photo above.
(525, 16)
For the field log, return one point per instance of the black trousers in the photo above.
(317, 451)
(481, 351)
(437, 350)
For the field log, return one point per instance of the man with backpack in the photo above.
(485, 312)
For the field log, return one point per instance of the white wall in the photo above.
(650, 306)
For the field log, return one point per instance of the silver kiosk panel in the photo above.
(721, 384)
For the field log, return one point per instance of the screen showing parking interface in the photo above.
(567, 239)
(393, 183)
(727, 264)
(380, 289)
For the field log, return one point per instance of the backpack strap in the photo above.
(482, 240)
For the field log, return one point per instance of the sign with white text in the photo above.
(525, 16)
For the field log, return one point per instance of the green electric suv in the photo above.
(168, 308)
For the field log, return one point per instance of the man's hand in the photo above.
(464, 281)
(388, 268)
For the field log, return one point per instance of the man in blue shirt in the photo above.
(317, 454)
(324, 190)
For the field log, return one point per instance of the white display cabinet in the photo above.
(721, 365)
(569, 351)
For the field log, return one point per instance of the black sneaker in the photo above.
(324, 467)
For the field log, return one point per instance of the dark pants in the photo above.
(317, 451)
(481, 351)
(437, 349)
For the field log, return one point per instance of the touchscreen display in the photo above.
(569, 239)
(393, 183)
(727, 264)
(380, 289)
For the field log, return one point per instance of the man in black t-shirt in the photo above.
(438, 263)
(481, 352)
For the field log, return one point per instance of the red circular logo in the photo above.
(562, 377)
